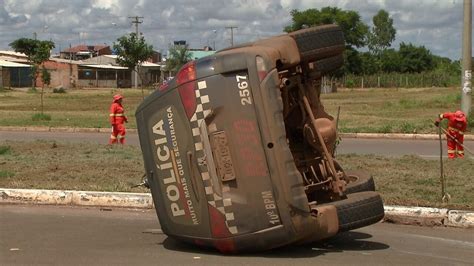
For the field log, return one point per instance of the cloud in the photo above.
(9, 19)
(435, 24)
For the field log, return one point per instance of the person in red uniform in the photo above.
(456, 126)
(117, 120)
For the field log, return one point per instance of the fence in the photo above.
(416, 80)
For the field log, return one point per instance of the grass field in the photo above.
(76, 108)
(407, 180)
(392, 110)
(370, 110)
(54, 165)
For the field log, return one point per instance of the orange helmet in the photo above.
(117, 97)
(459, 116)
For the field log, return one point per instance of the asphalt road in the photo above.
(428, 149)
(34, 235)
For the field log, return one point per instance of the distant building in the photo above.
(63, 73)
(196, 54)
(180, 42)
(15, 70)
(104, 69)
(101, 71)
(14, 74)
(81, 52)
(13, 56)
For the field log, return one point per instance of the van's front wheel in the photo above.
(359, 181)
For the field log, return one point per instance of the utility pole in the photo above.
(136, 21)
(231, 34)
(466, 81)
(214, 44)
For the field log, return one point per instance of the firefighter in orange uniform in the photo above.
(456, 126)
(117, 119)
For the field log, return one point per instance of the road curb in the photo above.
(396, 214)
(76, 198)
(429, 216)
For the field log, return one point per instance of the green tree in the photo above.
(415, 58)
(369, 63)
(37, 52)
(354, 29)
(178, 55)
(446, 66)
(352, 62)
(131, 52)
(382, 34)
(390, 61)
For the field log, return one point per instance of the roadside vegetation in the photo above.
(413, 181)
(408, 180)
(379, 64)
(67, 166)
(76, 108)
(395, 110)
(370, 110)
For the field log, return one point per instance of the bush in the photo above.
(6, 174)
(4, 150)
(470, 122)
(408, 103)
(59, 90)
(32, 90)
(41, 117)
(350, 83)
(444, 101)
(384, 129)
(407, 127)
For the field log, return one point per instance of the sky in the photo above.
(435, 24)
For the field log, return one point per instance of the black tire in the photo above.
(359, 181)
(359, 210)
(319, 42)
(328, 65)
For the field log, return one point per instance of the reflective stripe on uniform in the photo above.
(456, 130)
(120, 136)
(451, 151)
(460, 152)
(116, 115)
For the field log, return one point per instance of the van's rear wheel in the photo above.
(359, 210)
(319, 42)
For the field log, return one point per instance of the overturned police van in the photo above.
(238, 148)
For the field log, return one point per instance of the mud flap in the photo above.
(326, 223)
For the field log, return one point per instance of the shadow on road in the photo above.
(348, 241)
